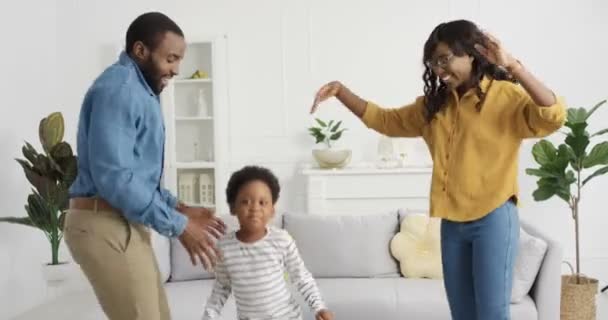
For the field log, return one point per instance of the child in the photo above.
(256, 257)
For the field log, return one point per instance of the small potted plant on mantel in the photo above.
(326, 133)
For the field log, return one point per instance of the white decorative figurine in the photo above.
(186, 184)
(206, 189)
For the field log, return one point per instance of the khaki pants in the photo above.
(117, 258)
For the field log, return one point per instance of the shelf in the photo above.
(195, 165)
(181, 118)
(192, 81)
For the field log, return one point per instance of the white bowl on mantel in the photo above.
(332, 158)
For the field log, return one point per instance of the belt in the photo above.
(90, 204)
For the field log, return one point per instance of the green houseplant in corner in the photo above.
(326, 133)
(572, 163)
(50, 173)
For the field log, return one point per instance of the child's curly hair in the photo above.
(248, 174)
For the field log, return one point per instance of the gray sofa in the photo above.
(349, 257)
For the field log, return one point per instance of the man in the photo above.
(117, 196)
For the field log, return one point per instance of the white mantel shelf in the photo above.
(366, 171)
(366, 189)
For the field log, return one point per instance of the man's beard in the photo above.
(151, 75)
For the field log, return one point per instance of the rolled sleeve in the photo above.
(407, 121)
(534, 121)
(169, 198)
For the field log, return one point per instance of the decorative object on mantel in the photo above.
(326, 133)
(392, 153)
(555, 178)
(51, 173)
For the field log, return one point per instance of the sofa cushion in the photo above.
(417, 247)
(344, 245)
(181, 266)
(530, 255)
(396, 299)
(187, 300)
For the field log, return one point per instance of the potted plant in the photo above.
(50, 173)
(326, 133)
(560, 168)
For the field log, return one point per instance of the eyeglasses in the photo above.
(441, 62)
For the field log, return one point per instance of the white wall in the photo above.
(279, 53)
(28, 87)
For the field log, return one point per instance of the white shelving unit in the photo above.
(194, 111)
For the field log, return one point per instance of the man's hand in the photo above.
(198, 238)
(324, 315)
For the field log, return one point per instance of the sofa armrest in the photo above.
(546, 291)
(162, 250)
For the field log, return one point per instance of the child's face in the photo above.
(253, 206)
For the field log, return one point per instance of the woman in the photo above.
(473, 117)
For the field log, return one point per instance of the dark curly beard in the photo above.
(152, 75)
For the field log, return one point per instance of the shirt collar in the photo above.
(484, 84)
(126, 60)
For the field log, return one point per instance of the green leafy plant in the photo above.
(50, 173)
(326, 132)
(568, 164)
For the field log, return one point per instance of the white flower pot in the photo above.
(332, 158)
(57, 274)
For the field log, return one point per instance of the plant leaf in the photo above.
(599, 133)
(543, 193)
(321, 123)
(42, 183)
(570, 177)
(335, 128)
(62, 220)
(571, 157)
(61, 150)
(564, 195)
(544, 152)
(70, 169)
(598, 172)
(594, 108)
(314, 130)
(541, 173)
(29, 152)
(337, 135)
(576, 115)
(578, 143)
(319, 138)
(560, 162)
(51, 131)
(25, 221)
(597, 156)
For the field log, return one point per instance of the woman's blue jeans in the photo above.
(478, 259)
